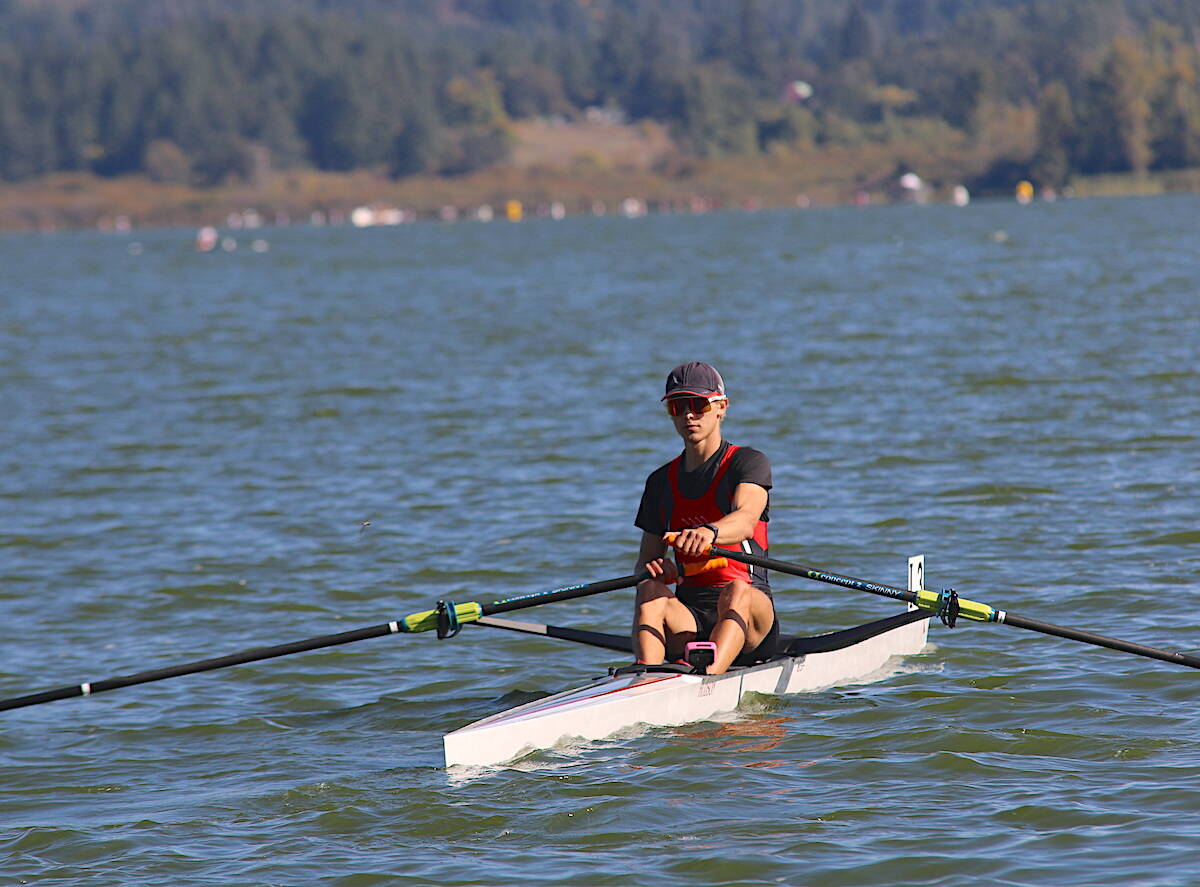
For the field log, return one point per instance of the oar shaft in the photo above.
(253, 655)
(771, 563)
(926, 600)
(968, 609)
(562, 594)
(424, 621)
(1100, 640)
(470, 612)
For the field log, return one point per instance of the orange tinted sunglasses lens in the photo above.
(681, 406)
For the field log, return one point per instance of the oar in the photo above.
(947, 604)
(447, 618)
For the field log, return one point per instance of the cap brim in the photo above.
(692, 392)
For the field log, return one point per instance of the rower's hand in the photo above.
(663, 570)
(695, 542)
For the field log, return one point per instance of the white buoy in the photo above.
(206, 239)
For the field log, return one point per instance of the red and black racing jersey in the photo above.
(675, 499)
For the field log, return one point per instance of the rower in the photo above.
(712, 494)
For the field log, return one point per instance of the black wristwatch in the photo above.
(714, 531)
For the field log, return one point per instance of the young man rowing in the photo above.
(712, 494)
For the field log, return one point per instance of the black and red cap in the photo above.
(694, 378)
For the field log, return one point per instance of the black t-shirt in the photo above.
(745, 466)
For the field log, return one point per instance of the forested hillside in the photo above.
(209, 91)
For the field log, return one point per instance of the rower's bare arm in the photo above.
(651, 557)
(652, 548)
(749, 502)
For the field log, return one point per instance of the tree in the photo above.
(1175, 122)
(40, 99)
(222, 158)
(531, 90)
(473, 100)
(965, 98)
(417, 147)
(1116, 128)
(746, 41)
(476, 148)
(15, 150)
(405, 86)
(757, 46)
(717, 114)
(275, 129)
(166, 162)
(618, 59)
(856, 38)
(914, 16)
(789, 125)
(1056, 136)
(332, 123)
(657, 92)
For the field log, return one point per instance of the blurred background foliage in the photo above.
(208, 92)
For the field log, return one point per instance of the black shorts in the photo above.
(702, 603)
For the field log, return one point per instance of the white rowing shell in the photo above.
(611, 704)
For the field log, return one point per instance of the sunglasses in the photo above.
(681, 406)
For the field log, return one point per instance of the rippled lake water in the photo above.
(192, 444)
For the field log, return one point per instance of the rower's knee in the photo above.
(651, 592)
(737, 597)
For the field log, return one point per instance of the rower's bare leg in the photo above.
(661, 624)
(744, 616)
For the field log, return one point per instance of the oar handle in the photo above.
(695, 568)
(714, 563)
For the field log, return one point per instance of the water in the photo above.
(192, 443)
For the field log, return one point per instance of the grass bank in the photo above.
(584, 168)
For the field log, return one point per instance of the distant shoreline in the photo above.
(73, 202)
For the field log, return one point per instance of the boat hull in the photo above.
(613, 703)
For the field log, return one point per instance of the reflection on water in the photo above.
(745, 736)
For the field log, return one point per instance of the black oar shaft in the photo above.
(1003, 616)
(253, 655)
(770, 563)
(562, 594)
(256, 654)
(1100, 640)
